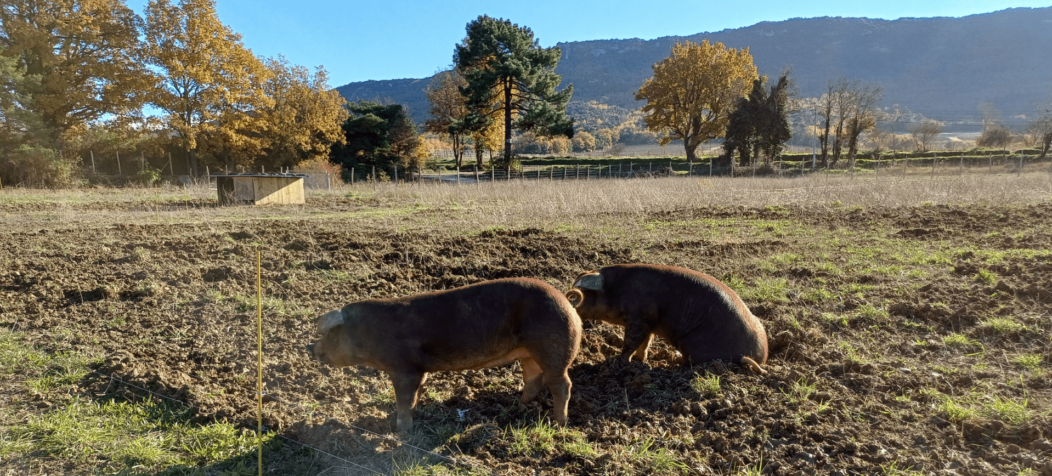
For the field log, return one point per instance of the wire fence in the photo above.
(935, 162)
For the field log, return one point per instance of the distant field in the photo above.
(908, 319)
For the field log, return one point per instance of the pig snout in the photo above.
(310, 349)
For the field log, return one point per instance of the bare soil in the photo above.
(858, 380)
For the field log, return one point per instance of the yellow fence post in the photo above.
(259, 354)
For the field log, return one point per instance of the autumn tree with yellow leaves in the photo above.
(304, 118)
(447, 106)
(488, 139)
(693, 92)
(208, 81)
(83, 54)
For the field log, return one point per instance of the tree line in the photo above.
(85, 76)
(92, 76)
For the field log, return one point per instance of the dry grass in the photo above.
(518, 203)
(524, 203)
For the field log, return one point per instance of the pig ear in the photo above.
(329, 320)
(591, 282)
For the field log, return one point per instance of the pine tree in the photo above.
(508, 72)
(380, 135)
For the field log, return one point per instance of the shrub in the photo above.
(35, 166)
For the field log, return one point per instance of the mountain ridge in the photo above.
(940, 66)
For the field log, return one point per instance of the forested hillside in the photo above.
(941, 67)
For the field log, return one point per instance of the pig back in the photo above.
(466, 327)
(704, 318)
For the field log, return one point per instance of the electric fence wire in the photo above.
(290, 440)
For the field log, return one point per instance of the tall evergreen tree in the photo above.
(508, 72)
(377, 134)
(759, 124)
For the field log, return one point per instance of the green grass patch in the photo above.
(986, 277)
(43, 371)
(871, 313)
(1028, 361)
(768, 290)
(955, 411)
(1006, 410)
(424, 468)
(706, 386)
(146, 434)
(818, 295)
(834, 319)
(115, 435)
(1002, 326)
(543, 437)
(798, 391)
(657, 460)
(959, 341)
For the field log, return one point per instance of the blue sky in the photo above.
(357, 40)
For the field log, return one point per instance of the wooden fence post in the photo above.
(119, 171)
(934, 160)
(352, 175)
(92, 152)
(170, 171)
(577, 170)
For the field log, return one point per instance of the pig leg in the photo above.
(407, 389)
(637, 334)
(559, 384)
(532, 379)
(641, 352)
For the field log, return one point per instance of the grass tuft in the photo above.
(545, 438)
(1002, 326)
(1028, 361)
(707, 386)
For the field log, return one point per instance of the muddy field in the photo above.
(904, 340)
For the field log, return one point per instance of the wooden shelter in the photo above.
(260, 189)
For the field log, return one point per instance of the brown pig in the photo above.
(483, 325)
(694, 312)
